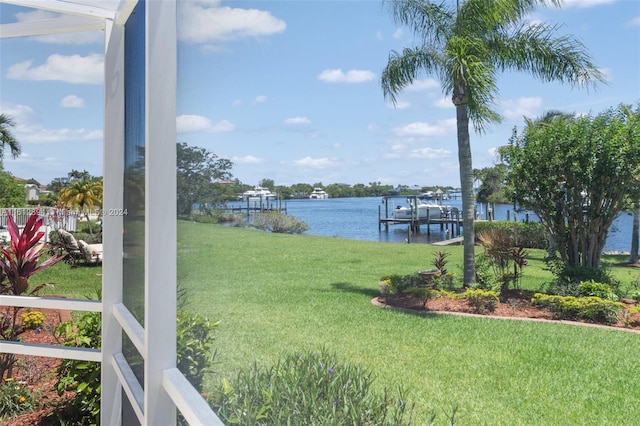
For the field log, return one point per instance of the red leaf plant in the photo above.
(17, 264)
(21, 260)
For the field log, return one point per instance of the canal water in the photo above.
(357, 219)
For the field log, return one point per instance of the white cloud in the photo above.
(521, 107)
(236, 103)
(72, 101)
(421, 129)
(430, 153)
(425, 84)
(36, 134)
(71, 69)
(205, 21)
(398, 105)
(635, 22)
(379, 35)
(260, 99)
(398, 33)
(297, 120)
(444, 103)
(351, 76)
(198, 123)
(314, 163)
(27, 132)
(585, 3)
(248, 159)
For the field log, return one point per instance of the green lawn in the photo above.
(278, 294)
(281, 294)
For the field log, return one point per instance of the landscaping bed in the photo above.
(39, 373)
(512, 304)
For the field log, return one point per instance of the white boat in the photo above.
(318, 194)
(258, 194)
(430, 210)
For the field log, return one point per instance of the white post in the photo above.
(160, 206)
(113, 169)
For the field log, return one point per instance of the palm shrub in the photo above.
(308, 389)
(507, 261)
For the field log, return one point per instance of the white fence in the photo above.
(53, 218)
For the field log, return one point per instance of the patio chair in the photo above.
(78, 250)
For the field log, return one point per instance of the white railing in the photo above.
(52, 217)
(186, 398)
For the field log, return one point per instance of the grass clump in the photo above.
(308, 389)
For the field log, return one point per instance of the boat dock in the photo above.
(451, 223)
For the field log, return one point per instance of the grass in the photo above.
(277, 294)
(280, 294)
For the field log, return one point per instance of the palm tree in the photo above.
(7, 138)
(466, 47)
(83, 194)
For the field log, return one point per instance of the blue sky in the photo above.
(290, 91)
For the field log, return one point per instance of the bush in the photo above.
(279, 223)
(82, 377)
(589, 308)
(219, 216)
(480, 300)
(568, 279)
(521, 234)
(601, 290)
(15, 398)
(194, 342)
(400, 284)
(309, 389)
(194, 357)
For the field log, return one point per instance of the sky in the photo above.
(290, 91)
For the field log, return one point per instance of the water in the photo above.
(357, 219)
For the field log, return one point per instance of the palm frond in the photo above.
(537, 50)
(7, 138)
(429, 21)
(403, 69)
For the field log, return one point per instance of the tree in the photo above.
(83, 194)
(197, 169)
(7, 138)
(493, 188)
(466, 48)
(575, 173)
(12, 192)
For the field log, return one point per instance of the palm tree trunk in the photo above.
(468, 197)
(635, 233)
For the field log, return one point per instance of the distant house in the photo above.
(33, 191)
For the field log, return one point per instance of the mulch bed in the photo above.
(39, 372)
(514, 304)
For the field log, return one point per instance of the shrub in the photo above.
(601, 290)
(81, 377)
(506, 260)
(480, 300)
(520, 234)
(309, 389)
(279, 223)
(567, 279)
(194, 358)
(194, 341)
(15, 398)
(589, 308)
(400, 284)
